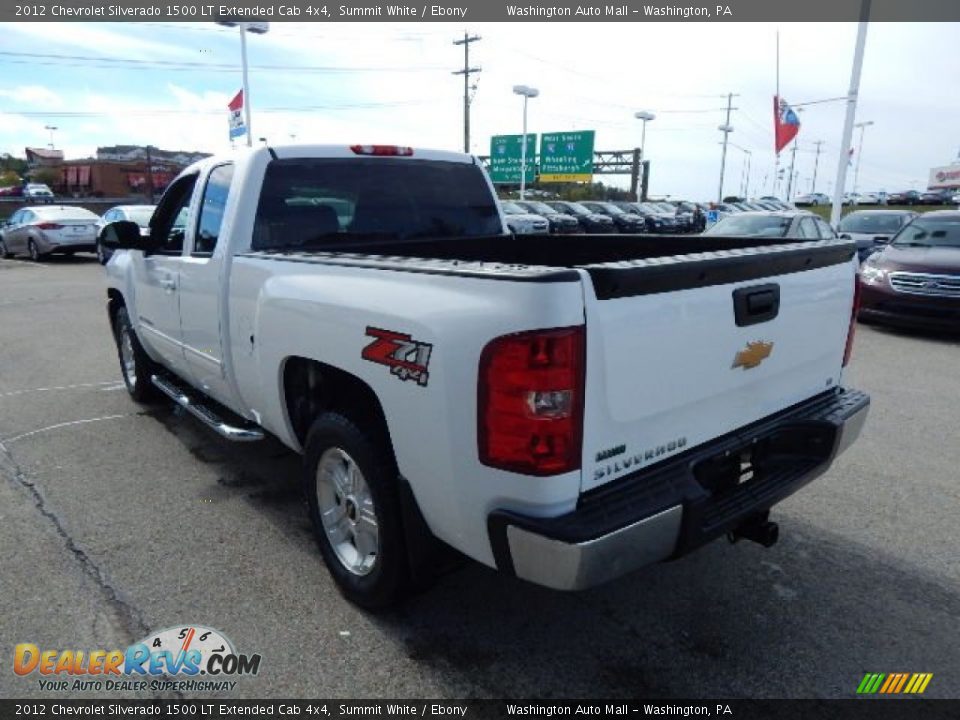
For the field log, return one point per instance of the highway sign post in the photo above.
(567, 156)
(506, 153)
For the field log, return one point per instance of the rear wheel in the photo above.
(34, 251)
(351, 488)
(135, 365)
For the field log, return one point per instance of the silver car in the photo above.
(140, 214)
(40, 231)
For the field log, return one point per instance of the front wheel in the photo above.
(351, 488)
(4, 253)
(135, 365)
(101, 253)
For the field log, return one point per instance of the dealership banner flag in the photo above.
(237, 126)
(786, 124)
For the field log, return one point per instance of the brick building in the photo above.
(122, 171)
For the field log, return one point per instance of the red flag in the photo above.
(786, 124)
(237, 101)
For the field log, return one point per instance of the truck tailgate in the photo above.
(683, 349)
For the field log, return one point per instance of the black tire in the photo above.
(102, 257)
(4, 253)
(136, 367)
(386, 581)
(34, 251)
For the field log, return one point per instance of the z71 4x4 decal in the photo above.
(407, 358)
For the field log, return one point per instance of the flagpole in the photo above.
(843, 161)
(776, 109)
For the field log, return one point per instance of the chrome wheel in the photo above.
(347, 511)
(128, 362)
(34, 253)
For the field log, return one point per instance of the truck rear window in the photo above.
(314, 203)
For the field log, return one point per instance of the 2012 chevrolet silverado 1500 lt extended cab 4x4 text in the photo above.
(562, 408)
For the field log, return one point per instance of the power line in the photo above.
(164, 111)
(190, 65)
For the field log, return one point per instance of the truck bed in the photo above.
(619, 265)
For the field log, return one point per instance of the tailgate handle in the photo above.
(756, 304)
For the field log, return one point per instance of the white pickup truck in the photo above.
(562, 408)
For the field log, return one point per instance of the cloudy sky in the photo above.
(168, 85)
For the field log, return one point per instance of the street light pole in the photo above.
(51, 128)
(527, 93)
(856, 170)
(644, 116)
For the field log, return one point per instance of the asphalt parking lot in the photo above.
(116, 520)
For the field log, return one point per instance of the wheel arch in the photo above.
(311, 387)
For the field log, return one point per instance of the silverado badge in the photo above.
(754, 354)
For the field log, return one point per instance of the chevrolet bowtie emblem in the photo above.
(754, 354)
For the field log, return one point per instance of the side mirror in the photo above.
(126, 235)
(845, 236)
(881, 240)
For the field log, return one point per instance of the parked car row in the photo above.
(904, 197)
(43, 230)
(601, 216)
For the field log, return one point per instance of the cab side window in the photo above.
(169, 221)
(211, 209)
(808, 229)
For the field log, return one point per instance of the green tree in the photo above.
(8, 178)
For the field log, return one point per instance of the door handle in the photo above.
(168, 284)
(756, 304)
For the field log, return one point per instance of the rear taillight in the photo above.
(853, 320)
(49, 226)
(388, 150)
(530, 401)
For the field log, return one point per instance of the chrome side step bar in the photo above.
(205, 414)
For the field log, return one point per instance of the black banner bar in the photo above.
(205, 709)
(473, 11)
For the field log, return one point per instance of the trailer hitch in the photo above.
(757, 528)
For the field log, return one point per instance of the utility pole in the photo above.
(149, 174)
(816, 162)
(726, 129)
(466, 72)
(793, 160)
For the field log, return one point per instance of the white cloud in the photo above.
(33, 95)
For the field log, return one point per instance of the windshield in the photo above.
(322, 200)
(576, 208)
(751, 226)
(930, 232)
(540, 208)
(512, 209)
(610, 208)
(871, 224)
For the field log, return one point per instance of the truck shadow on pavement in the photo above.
(806, 618)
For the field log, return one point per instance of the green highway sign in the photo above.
(506, 152)
(567, 156)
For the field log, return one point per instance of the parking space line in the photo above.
(65, 424)
(13, 393)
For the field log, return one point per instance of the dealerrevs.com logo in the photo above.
(183, 658)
